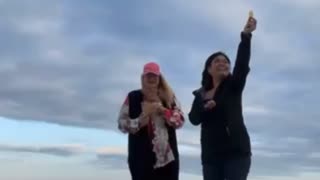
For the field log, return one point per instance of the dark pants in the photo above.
(168, 172)
(231, 169)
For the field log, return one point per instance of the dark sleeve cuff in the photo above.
(246, 36)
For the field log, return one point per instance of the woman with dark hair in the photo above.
(217, 106)
(150, 116)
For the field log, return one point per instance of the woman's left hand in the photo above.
(160, 108)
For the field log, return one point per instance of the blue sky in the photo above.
(66, 67)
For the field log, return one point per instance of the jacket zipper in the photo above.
(228, 131)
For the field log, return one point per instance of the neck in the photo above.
(150, 89)
(150, 93)
(216, 82)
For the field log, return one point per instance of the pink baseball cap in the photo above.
(152, 68)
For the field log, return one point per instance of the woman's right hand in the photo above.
(144, 120)
(210, 104)
(145, 108)
(149, 108)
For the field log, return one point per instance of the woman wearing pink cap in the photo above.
(150, 116)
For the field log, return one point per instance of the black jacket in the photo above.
(223, 132)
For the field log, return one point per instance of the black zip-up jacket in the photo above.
(223, 132)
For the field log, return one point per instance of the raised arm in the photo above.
(241, 68)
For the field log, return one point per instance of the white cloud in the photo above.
(256, 110)
(222, 15)
(39, 27)
(112, 151)
(302, 4)
(58, 150)
(315, 155)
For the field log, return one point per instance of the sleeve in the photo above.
(125, 124)
(197, 111)
(174, 116)
(241, 68)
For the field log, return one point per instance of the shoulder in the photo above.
(198, 92)
(134, 95)
(135, 92)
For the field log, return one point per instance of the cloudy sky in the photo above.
(67, 65)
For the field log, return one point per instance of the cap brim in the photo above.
(151, 72)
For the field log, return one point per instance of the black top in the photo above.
(140, 152)
(223, 132)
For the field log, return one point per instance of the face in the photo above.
(151, 80)
(220, 67)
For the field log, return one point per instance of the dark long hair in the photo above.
(207, 82)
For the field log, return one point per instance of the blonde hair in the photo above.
(165, 92)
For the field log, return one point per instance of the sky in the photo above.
(67, 65)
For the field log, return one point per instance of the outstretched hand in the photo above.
(251, 25)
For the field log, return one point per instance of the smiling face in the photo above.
(150, 80)
(219, 67)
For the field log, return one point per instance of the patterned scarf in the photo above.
(158, 131)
